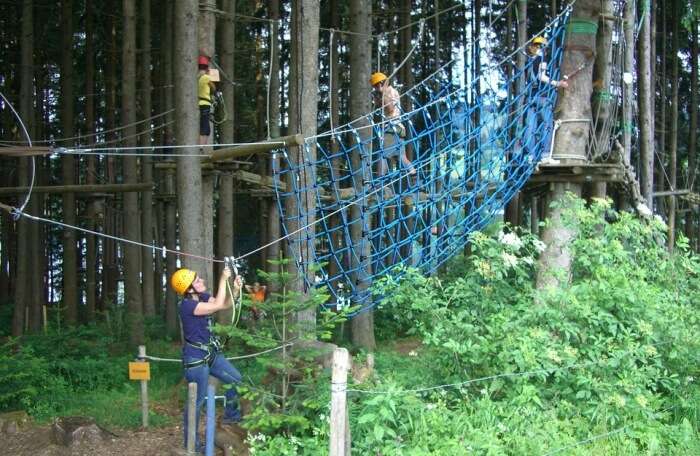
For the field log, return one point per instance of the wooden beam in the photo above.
(24, 151)
(255, 148)
(670, 193)
(97, 188)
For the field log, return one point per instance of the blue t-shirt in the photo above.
(196, 328)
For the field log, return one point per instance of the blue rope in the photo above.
(465, 174)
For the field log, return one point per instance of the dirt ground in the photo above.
(37, 441)
(34, 440)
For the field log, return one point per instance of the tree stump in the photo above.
(13, 422)
(231, 439)
(72, 430)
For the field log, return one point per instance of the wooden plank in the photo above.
(255, 148)
(84, 188)
(25, 151)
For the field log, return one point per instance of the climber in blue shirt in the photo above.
(201, 353)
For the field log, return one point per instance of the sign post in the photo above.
(141, 370)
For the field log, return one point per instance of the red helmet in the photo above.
(203, 60)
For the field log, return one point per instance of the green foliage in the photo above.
(288, 398)
(80, 370)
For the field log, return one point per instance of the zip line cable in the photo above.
(174, 146)
(102, 132)
(17, 212)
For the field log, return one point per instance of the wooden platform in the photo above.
(580, 173)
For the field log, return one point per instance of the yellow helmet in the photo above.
(376, 78)
(539, 40)
(182, 279)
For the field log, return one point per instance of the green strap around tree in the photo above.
(582, 26)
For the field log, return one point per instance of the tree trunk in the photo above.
(171, 317)
(303, 110)
(149, 307)
(23, 286)
(628, 88)
(693, 131)
(673, 140)
(513, 209)
(602, 72)
(273, 218)
(362, 325)
(91, 265)
(70, 247)
(225, 221)
(110, 265)
(660, 123)
(132, 253)
(646, 126)
(554, 267)
(189, 169)
(206, 37)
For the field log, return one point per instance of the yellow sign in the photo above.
(139, 371)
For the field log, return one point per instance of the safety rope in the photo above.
(18, 212)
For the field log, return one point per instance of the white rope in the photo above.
(415, 45)
(17, 212)
(177, 146)
(97, 133)
(250, 355)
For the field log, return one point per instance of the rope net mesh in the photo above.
(352, 209)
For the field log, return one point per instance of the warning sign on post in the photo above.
(139, 371)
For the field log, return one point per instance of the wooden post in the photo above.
(191, 417)
(144, 390)
(340, 435)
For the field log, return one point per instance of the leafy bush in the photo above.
(26, 381)
(618, 347)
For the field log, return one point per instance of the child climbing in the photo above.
(540, 112)
(205, 89)
(387, 97)
(201, 353)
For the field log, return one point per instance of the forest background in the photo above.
(613, 351)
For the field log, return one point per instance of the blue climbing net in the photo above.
(351, 205)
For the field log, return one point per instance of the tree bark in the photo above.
(23, 286)
(554, 268)
(692, 132)
(303, 110)
(206, 38)
(273, 219)
(646, 126)
(91, 265)
(171, 318)
(110, 255)
(673, 139)
(225, 220)
(512, 209)
(70, 247)
(189, 169)
(132, 254)
(362, 325)
(602, 73)
(149, 307)
(628, 89)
